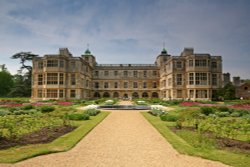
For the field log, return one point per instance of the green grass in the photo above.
(226, 157)
(63, 143)
(196, 140)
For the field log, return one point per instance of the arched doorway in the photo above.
(155, 95)
(145, 95)
(116, 95)
(135, 95)
(106, 94)
(125, 96)
(97, 95)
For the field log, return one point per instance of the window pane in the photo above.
(61, 80)
(51, 93)
(125, 84)
(72, 93)
(52, 78)
(52, 63)
(40, 79)
(73, 79)
(135, 73)
(125, 73)
(191, 78)
(179, 79)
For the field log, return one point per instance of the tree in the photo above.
(229, 91)
(22, 86)
(6, 83)
(24, 57)
(225, 93)
(19, 89)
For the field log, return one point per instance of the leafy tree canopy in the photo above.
(24, 57)
(22, 83)
(6, 83)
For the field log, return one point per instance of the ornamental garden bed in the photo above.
(219, 142)
(215, 127)
(39, 124)
(44, 135)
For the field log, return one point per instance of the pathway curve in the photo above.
(123, 139)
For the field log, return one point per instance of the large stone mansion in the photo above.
(188, 76)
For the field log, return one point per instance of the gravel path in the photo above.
(123, 139)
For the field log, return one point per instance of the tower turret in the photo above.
(162, 58)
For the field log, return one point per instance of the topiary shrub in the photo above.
(167, 117)
(27, 107)
(243, 112)
(109, 102)
(207, 110)
(78, 117)
(223, 114)
(235, 114)
(21, 112)
(141, 102)
(223, 109)
(13, 109)
(92, 112)
(3, 113)
(156, 112)
(155, 101)
(47, 109)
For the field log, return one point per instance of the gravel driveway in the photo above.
(123, 139)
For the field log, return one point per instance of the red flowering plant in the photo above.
(208, 105)
(13, 105)
(241, 106)
(189, 103)
(194, 103)
(65, 103)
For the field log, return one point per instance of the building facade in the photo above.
(225, 79)
(243, 91)
(188, 76)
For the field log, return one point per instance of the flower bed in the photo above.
(189, 103)
(65, 103)
(194, 103)
(241, 106)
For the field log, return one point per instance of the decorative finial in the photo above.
(87, 52)
(164, 51)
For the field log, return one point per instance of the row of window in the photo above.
(125, 95)
(52, 79)
(54, 93)
(194, 79)
(61, 64)
(198, 94)
(125, 73)
(202, 79)
(196, 63)
(125, 85)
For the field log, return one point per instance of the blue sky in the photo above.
(127, 31)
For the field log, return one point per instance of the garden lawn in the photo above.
(230, 158)
(63, 143)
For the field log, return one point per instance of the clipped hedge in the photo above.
(78, 117)
(167, 117)
(207, 110)
(47, 109)
(156, 112)
(92, 112)
(27, 107)
(223, 114)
